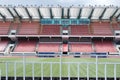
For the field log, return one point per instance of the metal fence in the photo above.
(46, 69)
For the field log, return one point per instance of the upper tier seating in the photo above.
(4, 27)
(115, 26)
(81, 47)
(25, 46)
(80, 30)
(28, 28)
(102, 28)
(49, 30)
(14, 26)
(3, 45)
(104, 46)
(49, 47)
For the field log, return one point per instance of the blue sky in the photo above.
(60, 2)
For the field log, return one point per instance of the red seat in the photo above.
(49, 47)
(65, 47)
(50, 30)
(104, 46)
(101, 28)
(27, 28)
(115, 26)
(79, 30)
(81, 47)
(3, 45)
(25, 46)
(4, 28)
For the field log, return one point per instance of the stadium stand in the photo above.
(49, 47)
(4, 27)
(101, 28)
(80, 30)
(104, 46)
(29, 28)
(65, 47)
(115, 26)
(81, 47)
(70, 32)
(3, 45)
(26, 46)
(49, 30)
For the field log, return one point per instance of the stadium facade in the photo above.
(77, 32)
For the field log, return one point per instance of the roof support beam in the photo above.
(68, 13)
(102, 14)
(79, 13)
(4, 18)
(20, 17)
(51, 13)
(113, 14)
(62, 13)
(30, 17)
(118, 16)
(11, 13)
(39, 13)
(91, 13)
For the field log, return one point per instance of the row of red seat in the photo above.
(98, 46)
(33, 45)
(34, 28)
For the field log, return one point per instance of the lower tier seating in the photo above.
(25, 46)
(81, 47)
(49, 47)
(3, 45)
(104, 46)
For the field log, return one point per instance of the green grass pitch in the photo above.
(56, 67)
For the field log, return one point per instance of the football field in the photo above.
(52, 67)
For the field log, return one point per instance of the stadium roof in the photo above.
(38, 12)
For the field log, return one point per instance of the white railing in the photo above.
(60, 63)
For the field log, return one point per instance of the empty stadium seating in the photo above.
(25, 46)
(15, 26)
(80, 30)
(104, 46)
(3, 45)
(49, 47)
(65, 47)
(27, 28)
(4, 27)
(102, 28)
(115, 26)
(81, 47)
(49, 30)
